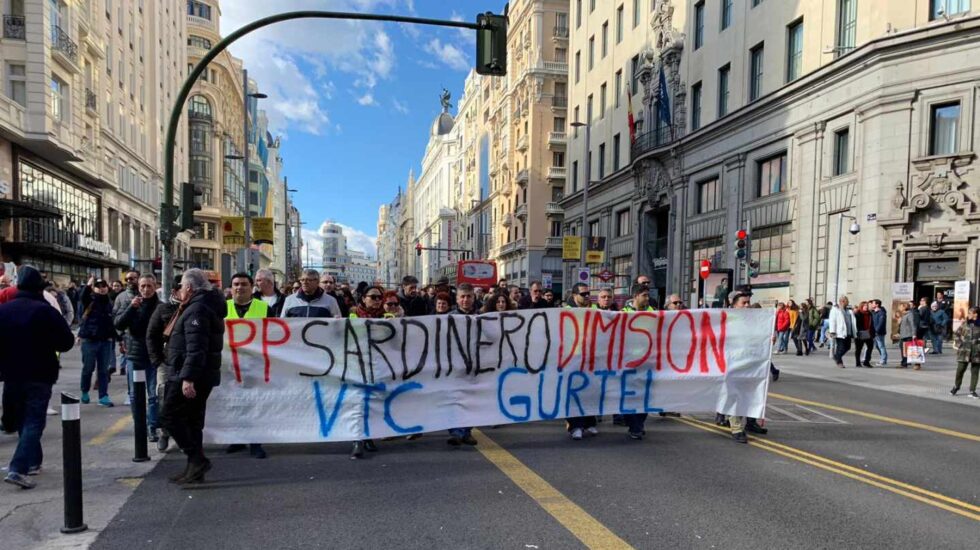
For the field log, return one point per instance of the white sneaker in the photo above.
(592, 431)
(127, 402)
(577, 434)
(52, 412)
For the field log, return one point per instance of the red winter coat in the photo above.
(782, 320)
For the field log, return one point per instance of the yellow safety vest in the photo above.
(593, 306)
(353, 316)
(628, 309)
(258, 309)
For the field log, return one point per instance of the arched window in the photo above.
(201, 130)
(200, 106)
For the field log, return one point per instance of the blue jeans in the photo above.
(96, 354)
(823, 331)
(152, 408)
(782, 341)
(460, 432)
(880, 346)
(810, 333)
(937, 341)
(31, 399)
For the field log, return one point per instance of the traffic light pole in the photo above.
(168, 211)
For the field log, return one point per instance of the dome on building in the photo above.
(443, 124)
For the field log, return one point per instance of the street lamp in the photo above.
(246, 258)
(854, 230)
(585, 188)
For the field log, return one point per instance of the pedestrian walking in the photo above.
(907, 329)
(938, 322)
(813, 324)
(32, 334)
(925, 322)
(783, 327)
(196, 337)
(797, 331)
(98, 336)
(465, 305)
(156, 349)
(244, 305)
(825, 323)
(842, 329)
(879, 329)
(132, 321)
(739, 425)
(864, 337)
(311, 300)
(967, 344)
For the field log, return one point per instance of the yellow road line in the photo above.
(900, 488)
(111, 431)
(873, 416)
(580, 523)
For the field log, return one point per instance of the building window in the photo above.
(588, 109)
(198, 9)
(202, 258)
(755, 72)
(846, 26)
(561, 55)
(634, 64)
(558, 124)
(842, 140)
(198, 42)
(59, 99)
(602, 101)
(578, 65)
(578, 13)
(17, 83)
(594, 229)
(602, 160)
(636, 13)
(618, 90)
(944, 129)
(591, 51)
(756, 3)
(698, 25)
(623, 226)
(605, 39)
(772, 247)
(709, 196)
(557, 160)
(794, 50)
(574, 176)
(619, 24)
(615, 152)
(723, 90)
(771, 175)
(623, 268)
(726, 14)
(696, 106)
(942, 8)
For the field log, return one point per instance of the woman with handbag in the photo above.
(906, 330)
(863, 341)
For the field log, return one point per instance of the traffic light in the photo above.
(491, 44)
(753, 269)
(742, 244)
(418, 249)
(191, 200)
(705, 270)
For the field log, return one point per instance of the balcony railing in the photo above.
(557, 172)
(650, 140)
(557, 138)
(522, 143)
(63, 43)
(553, 209)
(14, 26)
(553, 242)
(91, 101)
(557, 66)
(559, 102)
(508, 220)
(523, 176)
(521, 212)
(561, 32)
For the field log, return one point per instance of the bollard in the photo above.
(140, 453)
(71, 447)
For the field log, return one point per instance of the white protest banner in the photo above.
(308, 380)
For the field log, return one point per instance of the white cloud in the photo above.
(367, 100)
(356, 239)
(313, 244)
(399, 106)
(449, 54)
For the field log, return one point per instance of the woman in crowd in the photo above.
(371, 307)
(797, 326)
(393, 308)
(498, 302)
(907, 328)
(782, 328)
(864, 339)
(442, 303)
(98, 337)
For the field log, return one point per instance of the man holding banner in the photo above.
(580, 425)
(465, 305)
(244, 305)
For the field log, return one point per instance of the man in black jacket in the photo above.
(133, 320)
(196, 336)
(31, 335)
(155, 347)
(413, 304)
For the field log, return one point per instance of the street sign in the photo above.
(705, 270)
(546, 280)
(262, 230)
(571, 248)
(605, 275)
(584, 275)
(596, 251)
(233, 230)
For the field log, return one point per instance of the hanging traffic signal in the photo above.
(753, 269)
(418, 249)
(705, 270)
(191, 200)
(491, 44)
(741, 244)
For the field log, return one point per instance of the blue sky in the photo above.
(353, 100)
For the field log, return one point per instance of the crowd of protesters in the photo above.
(177, 341)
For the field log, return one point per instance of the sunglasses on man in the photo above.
(373, 296)
(583, 294)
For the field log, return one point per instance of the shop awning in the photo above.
(12, 208)
(56, 251)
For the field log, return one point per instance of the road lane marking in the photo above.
(794, 416)
(580, 523)
(873, 416)
(111, 431)
(913, 492)
(825, 415)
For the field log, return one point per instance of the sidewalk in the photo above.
(934, 380)
(33, 518)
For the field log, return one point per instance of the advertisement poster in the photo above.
(477, 273)
(901, 293)
(961, 302)
(262, 230)
(571, 248)
(596, 252)
(233, 230)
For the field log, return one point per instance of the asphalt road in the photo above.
(822, 478)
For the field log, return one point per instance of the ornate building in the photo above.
(795, 140)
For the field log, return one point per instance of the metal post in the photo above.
(246, 259)
(585, 192)
(139, 415)
(71, 450)
(840, 238)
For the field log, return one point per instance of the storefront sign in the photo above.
(571, 248)
(942, 270)
(961, 302)
(262, 231)
(99, 247)
(596, 251)
(233, 230)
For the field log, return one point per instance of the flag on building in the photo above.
(663, 99)
(629, 113)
